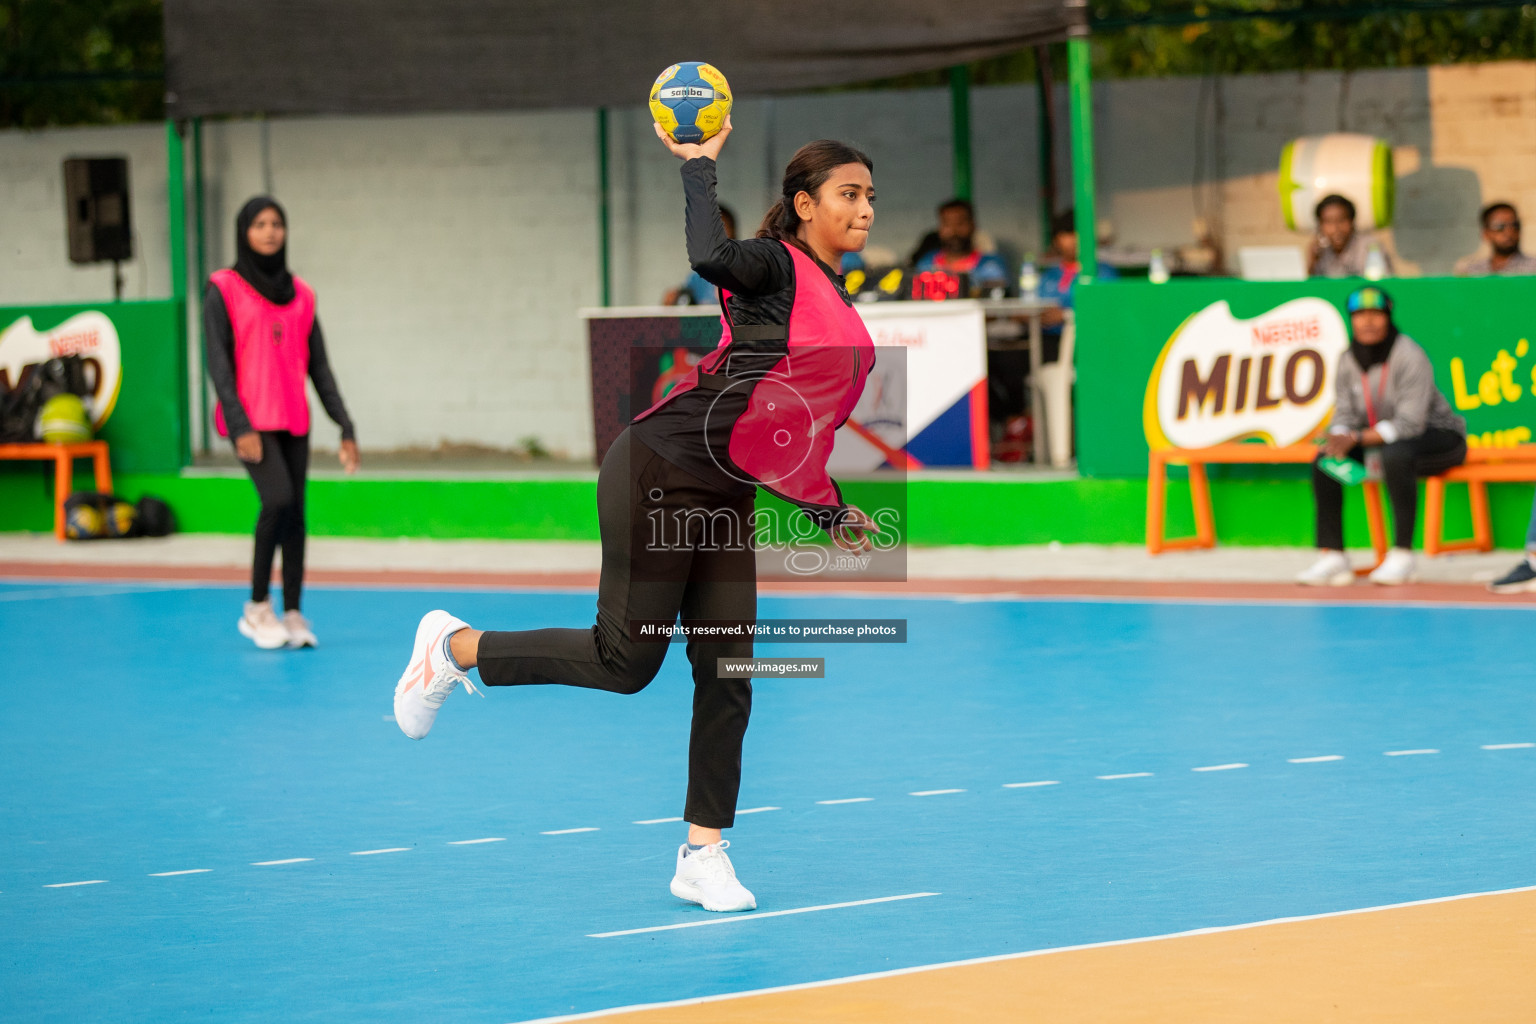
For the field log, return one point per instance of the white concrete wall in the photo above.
(452, 252)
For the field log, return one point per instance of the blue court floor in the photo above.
(263, 844)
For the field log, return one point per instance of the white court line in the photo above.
(66, 885)
(1030, 785)
(758, 810)
(935, 792)
(1220, 767)
(655, 821)
(1316, 760)
(1000, 957)
(1125, 775)
(1409, 753)
(848, 800)
(1508, 746)
(472, 842)
(97, 591)
(753, 917)
(391, 849)
(188, 871)
(566, 831)
(270, 863)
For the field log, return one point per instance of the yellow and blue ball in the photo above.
(691, 101)
(63, 420)
(84, 522)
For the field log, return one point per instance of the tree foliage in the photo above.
(80, 62)
(1318, 34)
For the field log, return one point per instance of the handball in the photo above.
(63, 420)
(691, 101)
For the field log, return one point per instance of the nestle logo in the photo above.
(1283, 332)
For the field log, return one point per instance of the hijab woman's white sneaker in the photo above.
(1396, 569)
(299, 633)
(259, 624)
(430, 676)
(1330, 570)
(706, 877)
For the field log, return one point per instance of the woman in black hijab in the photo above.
(263, 340)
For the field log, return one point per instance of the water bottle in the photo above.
(1157, 270)
(1029, 280)
(1375, 264)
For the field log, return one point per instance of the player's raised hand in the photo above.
(710, 147)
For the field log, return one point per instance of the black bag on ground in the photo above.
(155, 517)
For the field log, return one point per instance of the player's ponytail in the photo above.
(808, 170)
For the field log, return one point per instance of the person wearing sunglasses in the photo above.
(1501, 233)
(1389, 416)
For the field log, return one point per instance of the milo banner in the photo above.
(90, 336)
(134, 366)
(1198, 362)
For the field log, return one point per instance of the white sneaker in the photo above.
(299, 633)
(706, 877)
(259, 623)
(1396, 569)
(430, 677)
(1330, 570)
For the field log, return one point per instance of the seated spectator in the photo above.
(1501, 230)
(1339, 250)
(1523, 576)
(696, 291)
(959, 253)
(1059, 280)
(1386, 410)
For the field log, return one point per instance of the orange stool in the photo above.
(64, 456)
(1483, 466)
(1200, 491)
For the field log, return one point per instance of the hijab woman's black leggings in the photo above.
(279, 479)
(671, 543)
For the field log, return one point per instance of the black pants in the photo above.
(1402, 463)
(279, 479)
(669, 546)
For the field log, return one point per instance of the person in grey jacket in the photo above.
(1389, 415)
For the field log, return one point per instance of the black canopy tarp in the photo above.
(382, 56)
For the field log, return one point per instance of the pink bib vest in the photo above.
(271, 354)
(785, 436)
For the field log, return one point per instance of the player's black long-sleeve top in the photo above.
(220, 360)
(760, 275)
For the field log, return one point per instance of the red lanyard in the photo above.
(1381, 394)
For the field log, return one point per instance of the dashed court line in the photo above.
(1313, 759)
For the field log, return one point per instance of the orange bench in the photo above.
(63, 457)
(1200, 491)
(1483, 466)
